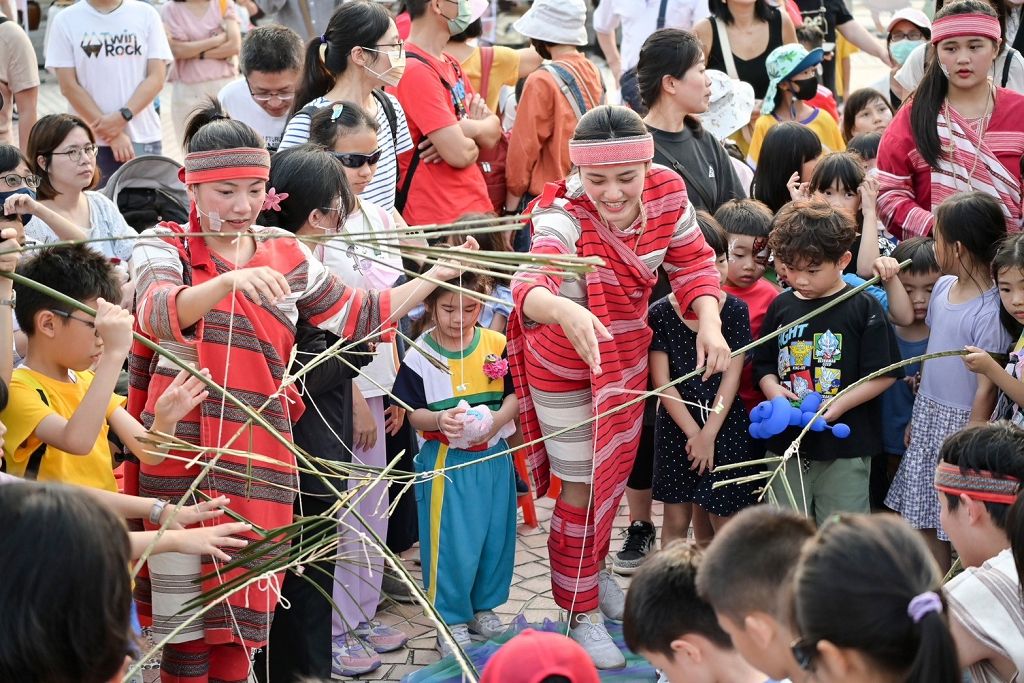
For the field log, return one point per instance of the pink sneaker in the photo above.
(380, 637)
(352, 656)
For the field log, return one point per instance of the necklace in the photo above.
(982, 124)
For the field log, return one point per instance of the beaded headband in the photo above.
(978, 484)
(631, 150)
(960, 25)
(226, 164)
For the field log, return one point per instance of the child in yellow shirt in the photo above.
(793, 73)
(60, 411)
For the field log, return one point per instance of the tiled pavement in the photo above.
(531, 588)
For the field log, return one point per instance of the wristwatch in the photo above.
(9, 302)
(126, 113)
(156, 511)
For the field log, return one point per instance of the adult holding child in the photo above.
(568, 367)
(223, 303)
(959, 132)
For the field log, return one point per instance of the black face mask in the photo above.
(804, 89)
(541, 48)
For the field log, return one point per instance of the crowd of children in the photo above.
(274, 370)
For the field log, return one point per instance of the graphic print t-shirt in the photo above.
(109, 53)
(827, 354)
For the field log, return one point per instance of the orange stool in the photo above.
(525, 501)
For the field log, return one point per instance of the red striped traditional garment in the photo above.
(247, 346)
(909, 189)
(565, 221)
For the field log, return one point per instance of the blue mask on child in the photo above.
(25, 217)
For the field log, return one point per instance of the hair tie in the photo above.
(336, 111)
(272, 202)
(923, 605)
(323, 47)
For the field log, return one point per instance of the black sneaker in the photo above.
(638, 545)
(522, 488)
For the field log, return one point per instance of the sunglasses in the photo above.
(805, 651)
(357, 160)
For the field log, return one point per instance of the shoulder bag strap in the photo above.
(687, 178)
(570, 90)
(35, 460)
(661, 14)
(486, 62)
(389, 111)
(1010, 52)
(403, 192)
(722, 33)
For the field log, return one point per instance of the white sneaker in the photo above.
(611, 599)
(486, 624)
(461, 634)
(590, 632)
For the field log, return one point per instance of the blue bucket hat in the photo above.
(784, 62)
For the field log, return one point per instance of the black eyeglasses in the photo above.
(283, 96)
(75, 153)
(349, 160)
(910, 35)
(14, 180)
(69, 316)
(805, 651)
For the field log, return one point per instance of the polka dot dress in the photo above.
(674, 481)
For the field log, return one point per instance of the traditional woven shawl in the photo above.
(617, 294)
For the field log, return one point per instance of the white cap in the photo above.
(914, 16)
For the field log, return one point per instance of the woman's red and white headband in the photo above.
(962, 25)
(616, 151)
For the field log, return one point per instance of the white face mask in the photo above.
(396, 66)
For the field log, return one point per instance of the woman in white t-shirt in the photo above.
(205, 40)
(62, 152)
(359, 53)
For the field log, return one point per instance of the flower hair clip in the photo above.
(272, 202)
(336, 111)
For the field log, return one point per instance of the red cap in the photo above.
(532, 656)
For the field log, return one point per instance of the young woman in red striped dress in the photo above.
(578, 345)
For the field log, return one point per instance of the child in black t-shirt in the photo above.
(811, 241)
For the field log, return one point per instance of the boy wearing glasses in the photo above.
(271, 63)
(62, 403)
(668, 624)
(745, 576)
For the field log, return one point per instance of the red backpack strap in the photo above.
(486, 62)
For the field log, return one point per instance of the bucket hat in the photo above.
(560, 22)
(783, 63)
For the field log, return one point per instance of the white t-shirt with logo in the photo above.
(109, 53)
(239, 104)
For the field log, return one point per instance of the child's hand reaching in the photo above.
(868, 191)
(797, 190)
(885, 267)
(181, 397)
(450, 269)
(701, 451)
(114, 328)
(209, 540)
(980, 362)
(187, 515)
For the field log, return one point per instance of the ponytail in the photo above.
(211, 128)
(936, 659)
(893, 611)
(353, 24)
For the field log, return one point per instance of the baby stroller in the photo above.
(147, 191)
